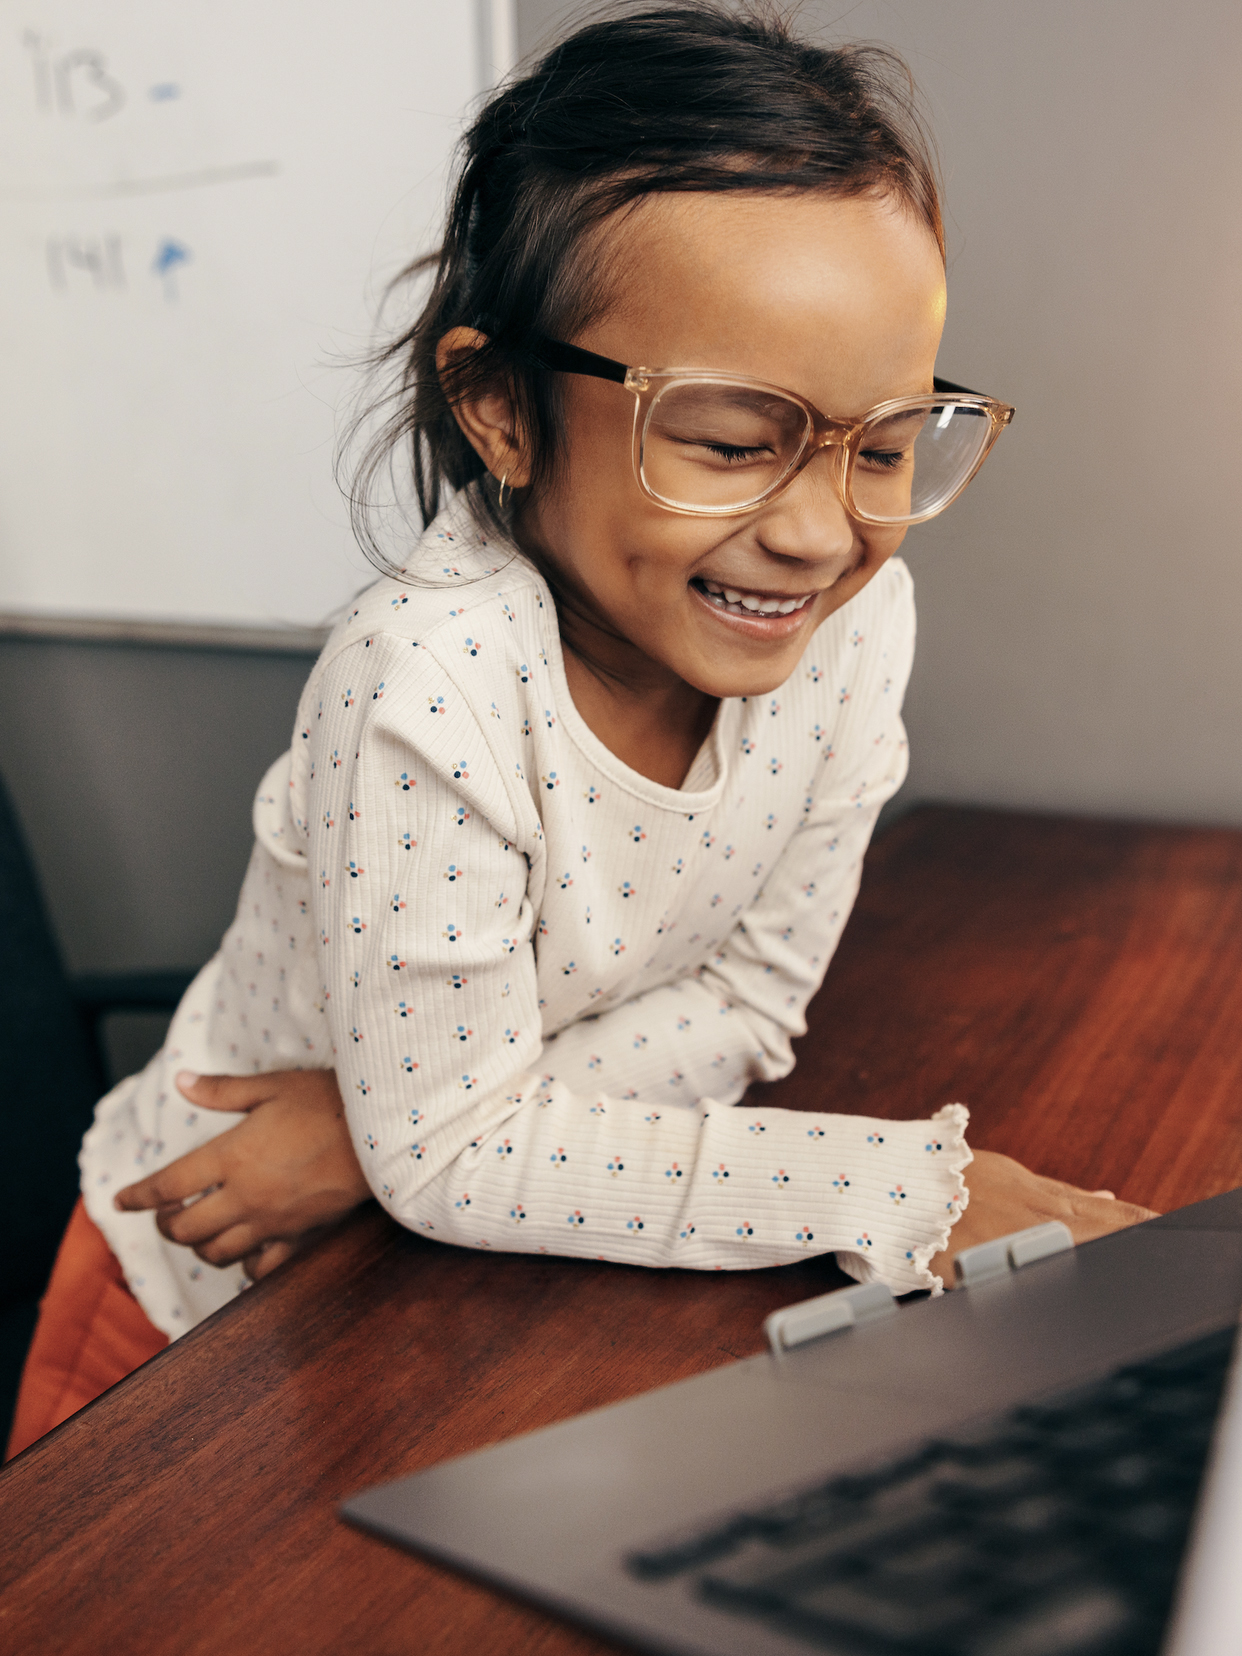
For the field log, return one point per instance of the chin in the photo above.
(749, 679)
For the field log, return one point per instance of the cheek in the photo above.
(596, 445)
(879, 545)
(627, 549)
(667, 550)
(875, 547)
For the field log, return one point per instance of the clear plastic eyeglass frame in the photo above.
(821, 430)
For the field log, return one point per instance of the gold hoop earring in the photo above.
(500, 500)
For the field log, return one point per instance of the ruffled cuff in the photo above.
(922, 1163)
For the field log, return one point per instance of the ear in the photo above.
(488, 418)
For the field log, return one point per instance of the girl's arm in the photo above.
(462, 1125)
(278, 1187)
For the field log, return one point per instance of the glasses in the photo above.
(711, 445)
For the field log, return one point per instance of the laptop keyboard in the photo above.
(1055, 1529)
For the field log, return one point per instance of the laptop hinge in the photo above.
(844, 1308)
(1010, 1253)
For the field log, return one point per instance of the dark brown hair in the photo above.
(693, 96)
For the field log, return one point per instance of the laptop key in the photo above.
(1130, 1472)
(758, 1572)
(844, 1607)
(1090, 1440)
(1029, 1568)
(941, 1559)
(1037, 1515)
(988, 1479)
(792, 1522)
(1152, 1520)
(674, 1554)
(1090, 1622)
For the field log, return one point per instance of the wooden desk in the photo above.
(1079, 985)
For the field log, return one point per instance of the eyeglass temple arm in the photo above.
(572, 359)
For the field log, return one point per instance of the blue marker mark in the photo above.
(164, 92)
(168, 256)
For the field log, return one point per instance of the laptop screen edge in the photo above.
(1207, 1614)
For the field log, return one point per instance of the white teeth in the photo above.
(751, 603)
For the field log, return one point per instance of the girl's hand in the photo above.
(264, 1187)
(1005, 1196)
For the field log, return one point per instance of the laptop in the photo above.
(1046, 1462)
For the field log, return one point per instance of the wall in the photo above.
(1078, 608)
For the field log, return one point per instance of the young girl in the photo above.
(578, 795)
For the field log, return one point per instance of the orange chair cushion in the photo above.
(91, 1333)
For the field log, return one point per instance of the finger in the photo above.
(1136, 1215)
(265, 1258)
(229, 1092)
(1062, 1187)
(197, 1221)
(231, 1245)
(1093, 1217)
(1082, 1204)
(1104, 1204)
(187, 1176)
(1081, 1201)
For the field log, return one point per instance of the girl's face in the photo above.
(840, 300)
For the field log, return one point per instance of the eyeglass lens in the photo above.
(715, 446)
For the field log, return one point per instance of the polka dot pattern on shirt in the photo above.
(544, 979)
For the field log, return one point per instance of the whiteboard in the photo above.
(200, 203)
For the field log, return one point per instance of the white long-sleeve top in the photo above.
(544, 979)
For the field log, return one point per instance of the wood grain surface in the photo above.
(1079, 985)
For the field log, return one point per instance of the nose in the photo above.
(808, 521)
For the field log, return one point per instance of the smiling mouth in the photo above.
(735, 601)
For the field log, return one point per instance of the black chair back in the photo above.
(50, 1076)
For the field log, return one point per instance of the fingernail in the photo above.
(186, 1079)
(197, 1196)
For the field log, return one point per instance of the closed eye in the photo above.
(733, 453)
